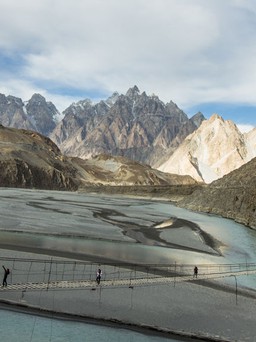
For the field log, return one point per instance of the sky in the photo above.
(200, 54)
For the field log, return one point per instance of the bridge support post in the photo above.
(236, 288)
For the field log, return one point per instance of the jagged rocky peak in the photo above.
(175, 111)
(43, 114)
(214, 117)
(133, 92)
(79, 108)
(173, 108)
(154, 96)
(83, 103)
(197, 119)
(112, 99)
(8, 101)
(217, 122)
(37, 103)
(14, 100)
(37, 99)
(12, 113)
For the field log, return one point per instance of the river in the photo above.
(112, 228)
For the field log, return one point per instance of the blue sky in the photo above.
(199, 54)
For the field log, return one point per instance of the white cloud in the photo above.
(186, 51)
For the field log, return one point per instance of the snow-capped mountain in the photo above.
(216, 148)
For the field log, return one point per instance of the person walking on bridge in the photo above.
(6, 273)
(195, 271)
(98, 276)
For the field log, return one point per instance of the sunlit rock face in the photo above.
(216, 148)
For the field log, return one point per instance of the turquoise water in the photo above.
(20, 327)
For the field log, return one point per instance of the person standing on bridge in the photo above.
(6, 273)
(98, 276)
(195, 272)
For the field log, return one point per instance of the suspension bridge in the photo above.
(33, 274)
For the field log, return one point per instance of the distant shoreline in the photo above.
(164, 192)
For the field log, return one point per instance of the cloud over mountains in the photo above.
(190, 52)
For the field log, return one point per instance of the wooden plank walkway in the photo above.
(69, 284)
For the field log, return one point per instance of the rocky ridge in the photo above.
(31, 160)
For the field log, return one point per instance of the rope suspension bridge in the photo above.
(33, 274)
(50, 276)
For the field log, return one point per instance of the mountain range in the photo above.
(139, 127)
(142, 128)
(134, 125)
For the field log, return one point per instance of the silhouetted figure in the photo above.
(195, 271)
(98, 276)
(6, 272)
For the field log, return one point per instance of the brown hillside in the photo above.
(233, 196)
(30, 160)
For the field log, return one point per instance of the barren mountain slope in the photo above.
(233, 196)
(30, 160)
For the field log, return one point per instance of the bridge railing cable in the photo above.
(57, 270)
